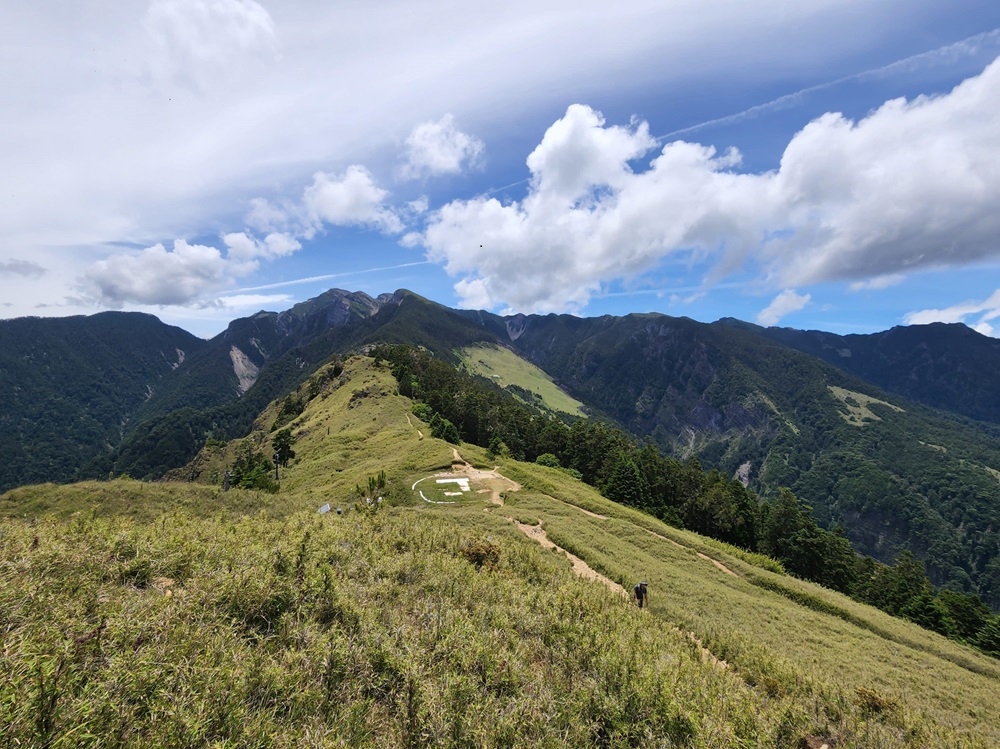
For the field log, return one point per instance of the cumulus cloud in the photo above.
(243, 246)
(911, 186)
(588, 217)
(187, 275)
(349, 199)
(157, 276)
(435, 148)
(976, 314)
(787, 302)
(23, 268)
(352, 198)
(197, 43)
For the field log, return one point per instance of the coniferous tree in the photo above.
(626, 484)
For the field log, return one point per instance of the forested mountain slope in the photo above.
(893, 474)
(947, 366)
(230, 363)
(286, 349)
(71, 387)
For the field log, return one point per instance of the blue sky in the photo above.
(828, 165)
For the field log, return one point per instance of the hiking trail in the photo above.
(706, 557)
(584, 570)
(420, 435)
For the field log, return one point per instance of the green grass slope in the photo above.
(174, 614)
(507, 368)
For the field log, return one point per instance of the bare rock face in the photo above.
(516, 326)
(246, 371)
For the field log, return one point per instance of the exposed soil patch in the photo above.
(494, 482)
(706, 655)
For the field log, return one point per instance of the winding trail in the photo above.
(577, 507)
(420, 435)
(580, 567)
(497, 482)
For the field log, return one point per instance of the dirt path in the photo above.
(584, 570)
(706, 557)
(577, 507)
(420, 435)
(580, 567)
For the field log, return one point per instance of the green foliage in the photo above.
(900, 477)
(252, 470)
(291, 407)
(304, 629)
(988, 638)
(625, 484)
(71, 385)
(443, 429)
(549, 460)
(281, 443)
(686, 495)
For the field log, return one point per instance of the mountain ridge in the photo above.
(729, 395)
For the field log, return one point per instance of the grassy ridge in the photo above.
(174, 615)
(507, 368)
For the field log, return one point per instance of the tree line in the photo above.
(460, 406)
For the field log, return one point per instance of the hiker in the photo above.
(640, 593)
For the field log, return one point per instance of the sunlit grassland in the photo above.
(787, 634)
(507, 368)
(154, 615)
(137, 500)
(318, 630)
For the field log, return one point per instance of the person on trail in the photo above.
(640, 593)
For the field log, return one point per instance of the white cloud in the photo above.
(435, 148)
(982, 311)
(787, 302)
(350, 199)
(243, 247)
(130, 123)
(187, 275)
(913, 185)
(242, 302)
(589, 217)
(878, 282)
(198, 43)
(157, 276)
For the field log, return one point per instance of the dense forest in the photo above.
(462, 407)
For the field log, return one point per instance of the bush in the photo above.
(481, 553)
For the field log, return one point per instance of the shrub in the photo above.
(481, 553)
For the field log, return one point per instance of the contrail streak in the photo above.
(964, 47)
(329, 276)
